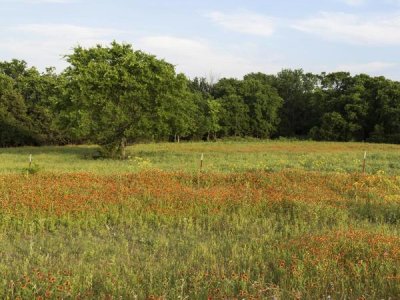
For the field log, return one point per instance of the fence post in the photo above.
(364, 161)
(200, 170)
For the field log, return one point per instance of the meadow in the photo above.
(263, 220)
(229, 156)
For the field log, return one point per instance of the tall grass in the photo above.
(153, 234)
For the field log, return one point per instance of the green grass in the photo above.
(130, 254)
(268, 219)
(218, 157)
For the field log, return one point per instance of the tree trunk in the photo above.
(179, 138)
(175, 138)
(208, 136)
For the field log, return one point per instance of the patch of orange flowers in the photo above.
(175, 191)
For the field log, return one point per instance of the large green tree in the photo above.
(15, 125)
(116, 95)
(263, 102)
(182, 111)
(296, 89)
(234, 111)
(341, 106)
(40, 93)
(249, 107)
(383, 120)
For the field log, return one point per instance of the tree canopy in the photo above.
(113, 95)
(116, 94)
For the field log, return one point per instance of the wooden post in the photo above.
(200, 170)
(30, 161)
(364, 161)
(201, 162)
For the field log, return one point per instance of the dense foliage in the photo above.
(115, 95)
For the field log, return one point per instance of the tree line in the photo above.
(113, 95)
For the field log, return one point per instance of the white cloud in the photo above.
(248, 23)
(199, 58)
(375, 67)
(350, 28)
(354, 2)
(65, 31)
(45, 44)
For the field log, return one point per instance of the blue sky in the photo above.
(217, 38)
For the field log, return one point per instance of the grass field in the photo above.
(219, 157)
(290, 220)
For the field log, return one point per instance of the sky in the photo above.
(212, 38)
